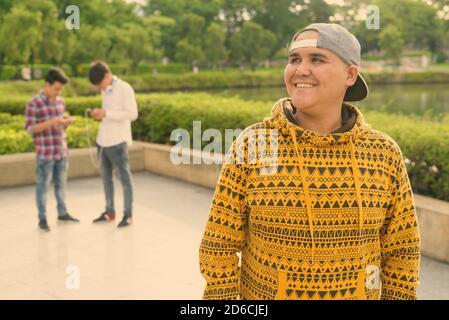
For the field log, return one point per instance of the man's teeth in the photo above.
(304, 85)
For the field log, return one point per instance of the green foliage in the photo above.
(423, 142)
(392, 43)
(19, 34)
(15, 94)
(214, 44)
(188, 53)
(172, 68)
(14, 138)
(8, 72)
(440, 76)
(252, 43)
(424, 145)
(213, 32)
(10, 90)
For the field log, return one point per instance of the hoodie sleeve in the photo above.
(399, 240)
(224, 234)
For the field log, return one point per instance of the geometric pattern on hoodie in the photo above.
(335, 219)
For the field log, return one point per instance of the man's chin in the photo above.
(302, 104)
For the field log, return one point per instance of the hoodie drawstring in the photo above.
(355, 172)
(306, 192)
(310, 214)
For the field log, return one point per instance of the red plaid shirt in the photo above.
(50, 143)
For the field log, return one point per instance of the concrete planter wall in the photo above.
(16, 170)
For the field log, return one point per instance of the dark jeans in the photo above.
(47, 171)
(115, 158)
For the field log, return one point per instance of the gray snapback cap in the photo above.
(340, 41)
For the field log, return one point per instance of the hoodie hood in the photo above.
(282, 118)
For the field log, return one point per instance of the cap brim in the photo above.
(358, 91)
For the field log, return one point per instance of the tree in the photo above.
(188, 53)
(392, 43)
(173, 8)
(165, 38)
(252, 43)
(426, 30)
(208, 9)
(192, 28)
(137, 44)
(5, 6)
(214, 44)
(49, 49)
(318, 11)
(235, 12)
(368, 38)
(89, 43)
(279, 17)
(285, 17)
(19, 34)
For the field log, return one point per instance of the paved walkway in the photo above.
(156, 258)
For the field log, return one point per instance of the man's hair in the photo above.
(97, 71)
(56, 74)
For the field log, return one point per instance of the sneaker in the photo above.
(126, 221)
(43, 225)
(67, 217)
(105, 216)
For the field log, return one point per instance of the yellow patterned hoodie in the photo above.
(332, 217)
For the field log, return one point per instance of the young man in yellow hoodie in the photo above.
(335, 218)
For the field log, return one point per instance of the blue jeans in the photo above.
(46, 171)
(115, 158)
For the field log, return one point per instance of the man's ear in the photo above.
(353, 72)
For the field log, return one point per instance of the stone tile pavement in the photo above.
(156, 258)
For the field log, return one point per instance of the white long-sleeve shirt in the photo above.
(119, 103)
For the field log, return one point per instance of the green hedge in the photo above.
(424, 145)
(206, 80)
(209, 80)
(75, 106)
(396, 77)
(14, 138)
(423, 142)
(172, 68)
(8, 72)
(19, 88)
(12, 72)
(82, 70)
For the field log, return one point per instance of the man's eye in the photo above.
(316, 60)
(294, 60)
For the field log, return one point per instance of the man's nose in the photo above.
(303, 69)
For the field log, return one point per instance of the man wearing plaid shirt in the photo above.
(46, 123)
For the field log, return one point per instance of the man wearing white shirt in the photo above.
(119, 108)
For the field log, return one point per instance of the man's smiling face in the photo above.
(316, 77)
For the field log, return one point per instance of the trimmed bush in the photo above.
(206, 80)
(173, 68)
(8, 72)
(210, 80)
(397, 77)
(14, 138)
(423, 142)
(19, 88)
(82, 70)
(75, 106)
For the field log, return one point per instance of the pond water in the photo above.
(432, 99)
